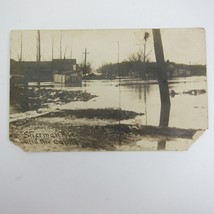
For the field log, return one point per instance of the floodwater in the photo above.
(187, 111)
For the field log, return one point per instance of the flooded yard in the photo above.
(118, 115)
(139, 96)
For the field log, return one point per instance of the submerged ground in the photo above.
(89, 119)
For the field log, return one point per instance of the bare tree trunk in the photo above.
(162, 78)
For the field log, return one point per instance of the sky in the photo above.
(108, 46)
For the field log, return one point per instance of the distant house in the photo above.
(65, 71)
(66, 77)
(184, 72)
(176, 71)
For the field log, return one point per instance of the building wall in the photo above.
(44, 70)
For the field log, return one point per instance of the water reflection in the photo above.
(152, 145)
(186, 111)
(161, 144)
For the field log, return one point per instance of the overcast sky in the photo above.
(180, 45)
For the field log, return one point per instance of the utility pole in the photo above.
(163, 85)
(25, 94)
(162, 78)
(19, 67)
(60, 63)
(38, 47)
(65, 53)
(146, 36)
(85, 61)
(119, 110)
(52, 48)
(60, 54)
(38, 57)
(71, 53)
(20, 58)
(118, 52)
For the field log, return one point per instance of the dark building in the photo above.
(42, 71)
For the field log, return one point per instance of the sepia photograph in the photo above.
(107, 90)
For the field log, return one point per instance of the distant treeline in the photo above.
(149, 70)
(196, 70)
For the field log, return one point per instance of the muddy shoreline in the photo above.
(87, 130)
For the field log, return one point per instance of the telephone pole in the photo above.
(85, 61)
(38, 47)
(163, 85)
(20, 58)
(38, 56)
(162, 78)
(60, 51)
(52, 48)
(119, 110)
